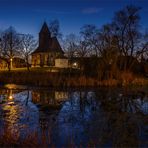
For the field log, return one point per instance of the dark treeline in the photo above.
(117, 47)
(105, 52)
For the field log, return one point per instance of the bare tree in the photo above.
(28, 45)
(90, 38)
(108, 51)
(71, 45)
(143, 48)
(10, 45)
(128, 34)
(54, 27)
(83, 50)
(122, 38)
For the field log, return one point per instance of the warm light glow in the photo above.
(10, 97)
(75, 64)
(11, 59)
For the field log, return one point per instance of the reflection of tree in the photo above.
(82, 102)
(122, 119)
(74, 117)
(86, 100)
(27, 97)
(105, 118)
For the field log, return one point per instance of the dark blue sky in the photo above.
(27, 16)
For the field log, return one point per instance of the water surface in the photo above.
(103, 117)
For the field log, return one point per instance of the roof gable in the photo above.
(46, 42)
(44, 29)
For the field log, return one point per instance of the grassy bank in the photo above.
(63, 78)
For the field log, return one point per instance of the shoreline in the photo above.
(64, 80)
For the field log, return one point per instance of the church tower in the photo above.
(48, 50)
(44, 37)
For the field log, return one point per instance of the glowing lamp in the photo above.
(75, 64)
(10, 97)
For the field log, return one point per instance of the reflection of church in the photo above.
(48, 50)
(49, 97)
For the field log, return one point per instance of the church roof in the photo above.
(53, 47)
(49, 45)
(45, 28)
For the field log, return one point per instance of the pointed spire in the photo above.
(44, 36)
(45, 28)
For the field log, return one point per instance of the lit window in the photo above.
(75, 64)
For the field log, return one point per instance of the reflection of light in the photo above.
(10, 97)
(12, 117)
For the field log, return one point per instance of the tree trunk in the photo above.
(27, 64)
(9, 67)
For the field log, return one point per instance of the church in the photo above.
(48, 49)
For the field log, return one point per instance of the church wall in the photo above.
(61, 63)
(36, 60)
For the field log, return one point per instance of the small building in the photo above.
(48, 50)
(61, 62)
(3, 63)
(15, 62)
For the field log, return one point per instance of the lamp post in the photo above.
(11, 66)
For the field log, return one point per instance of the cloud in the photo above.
(51, 11)
(91, 10)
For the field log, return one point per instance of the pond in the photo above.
(100, 117)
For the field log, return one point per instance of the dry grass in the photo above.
(64, 79)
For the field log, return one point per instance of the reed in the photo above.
(62, 79)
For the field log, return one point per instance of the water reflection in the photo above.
(49, 97)
(101, 118)
(123, 117)
(16, 117)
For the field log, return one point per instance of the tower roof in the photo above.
(54, 46)
(45, 28)
(47, 43)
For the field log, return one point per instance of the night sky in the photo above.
(27, 16)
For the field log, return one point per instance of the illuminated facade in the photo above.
(48, 50)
